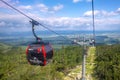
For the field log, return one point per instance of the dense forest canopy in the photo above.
(107, 62)
(14, 66)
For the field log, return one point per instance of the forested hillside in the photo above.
(107, 62)
(14, 66)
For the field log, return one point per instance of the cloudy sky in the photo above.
(60, 15)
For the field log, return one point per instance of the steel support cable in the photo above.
(34, 21)
(93, 21)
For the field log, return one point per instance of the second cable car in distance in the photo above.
(39, 52)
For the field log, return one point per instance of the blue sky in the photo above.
(60, 15)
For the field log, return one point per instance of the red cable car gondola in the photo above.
(39, 52)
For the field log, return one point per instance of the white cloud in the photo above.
(102, 21)
(3, 5)
(10, 2)
(76, 1)
(19, 22)
(82, 23)
(47, 9)
(12, 21)
(100, 13)
(25, 7)
(118, 10)
(89, 13)
(12, 17)
(58, 7)
(2, 24)
(43, 7)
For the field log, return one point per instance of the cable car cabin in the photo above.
(39, 53)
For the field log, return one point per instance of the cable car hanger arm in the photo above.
(33, 29)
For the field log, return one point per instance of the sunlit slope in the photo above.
(76, 73)
(90, 63)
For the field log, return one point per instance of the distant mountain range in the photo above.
(48, 33)
(24, 38)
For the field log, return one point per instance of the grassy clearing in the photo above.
(76, 72)
(90, 63)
